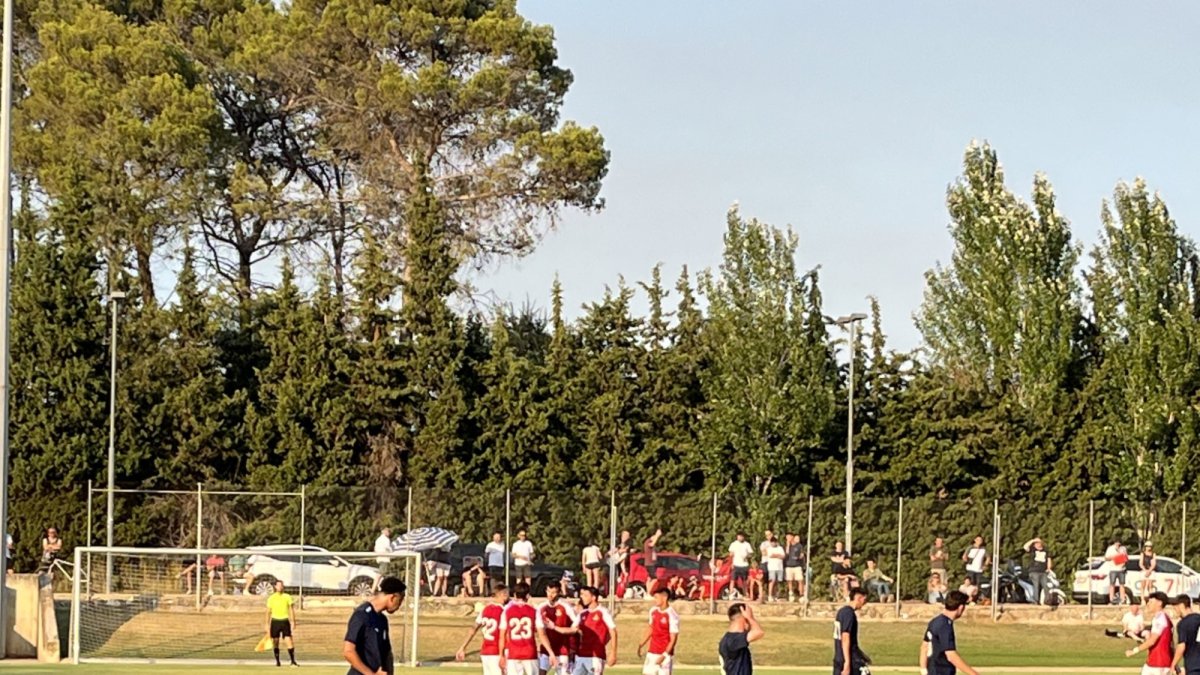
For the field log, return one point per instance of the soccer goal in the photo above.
(209, 605)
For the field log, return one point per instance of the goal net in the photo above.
(208, 605)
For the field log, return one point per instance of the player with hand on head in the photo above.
(595, 628)
(1187, 651)
(521, 633)
(488, 621)
(1157, 646)
(662, 634)
(939, 649)
(734, 649)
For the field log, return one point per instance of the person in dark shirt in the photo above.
(368, 646)
(848, 657)
(1187, 648)
(939, 651)
(735, 644)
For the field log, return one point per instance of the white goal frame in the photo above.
(77, 591)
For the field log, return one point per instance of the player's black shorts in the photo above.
(281, 628)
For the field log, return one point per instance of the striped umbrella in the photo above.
(425, 539)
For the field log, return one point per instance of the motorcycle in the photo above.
(1015, 587)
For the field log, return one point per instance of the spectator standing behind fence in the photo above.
(494, 555)
(842, 569)
(383, 545)
(51, 547)
(976, 558)
(1115, 559)
(1040, 564)
(1147, 563)
(875, 581)
(775, 558)
(938, 558)
(592, 561)
(650, 559)
(619, 556)
(793, 567)
(764, 545)
(739, 553)
(522, 553)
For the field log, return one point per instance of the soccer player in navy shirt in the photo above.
(848, 658)
(368, 646)
(734, 648)
(1187, 649)
(939, 651)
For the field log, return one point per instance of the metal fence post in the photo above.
(612, 548)
(302, 532)
(995, 551)
(507, 532)
(899, 551)
(1183, 535)
(1091, 550)
(712, 567)
(808, 558)
(408, 511)
(89, 541)
(199, 538)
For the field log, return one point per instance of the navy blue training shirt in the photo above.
(940, 637)
(1188, 630)
(368, 630)
(846, 623)
(735, 654)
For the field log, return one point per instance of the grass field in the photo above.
(98, 669)
(790, 643)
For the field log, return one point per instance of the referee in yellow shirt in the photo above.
(281, 619)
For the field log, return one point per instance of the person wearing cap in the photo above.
(1040, 564)
(367, 646)
(1187, 650)
(1147, 563)
(1157, 646)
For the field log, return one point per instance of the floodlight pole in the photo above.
(852, 322)
(6, 258)
(113, 297)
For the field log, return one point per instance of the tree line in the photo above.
(290, 195)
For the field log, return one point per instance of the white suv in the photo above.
(320, 572)
(1170, 576)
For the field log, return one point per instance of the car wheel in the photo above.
(727, 592)
(635, 591)
(263, 585)
(362, 586)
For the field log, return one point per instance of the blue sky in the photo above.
(847, 121)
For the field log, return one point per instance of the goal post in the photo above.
(208, 605)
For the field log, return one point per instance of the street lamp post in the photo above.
(6, 89)
(113, 297)
(850, 321)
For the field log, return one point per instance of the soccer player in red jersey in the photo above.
(1158, 645)
(556, 613)
(662, 632)
(521, 633)
(595, 628)
(488, 621)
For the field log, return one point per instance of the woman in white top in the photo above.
(592, 563)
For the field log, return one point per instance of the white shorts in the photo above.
(588, 665)
(1152, 670)
(491, 665)
(653, 667)
(564, 664)
(522, 667)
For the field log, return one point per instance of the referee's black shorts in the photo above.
(281, 628)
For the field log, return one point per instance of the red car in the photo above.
(689, 575)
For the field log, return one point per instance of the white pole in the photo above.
(199, 538)
(89, 537)
(808, 577)
(408, 512)
(507, 531)
(612, 547)
(113, 297)
(1091, 549)
(1183, 536)
(995, 552)
(302, 515)
(899, 551)
(850, 446)
(76, 607)
(5, 258)
(712, 568)
(416, 606)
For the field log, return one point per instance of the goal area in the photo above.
(209, 605)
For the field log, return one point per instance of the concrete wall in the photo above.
(32, 625)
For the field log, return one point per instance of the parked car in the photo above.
(319, 573)
(463, 556)
(1170, 576)
(694, 572)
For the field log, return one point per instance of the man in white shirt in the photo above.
(383, 544)
(740, 552)
(1133, 625)
(522, 553)
(977, 561)
(774, 563)
(1115, 557)
(764, 546)
(494, 555)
